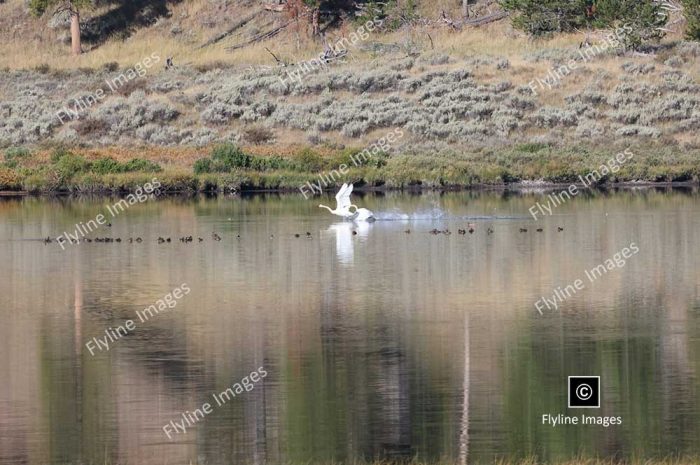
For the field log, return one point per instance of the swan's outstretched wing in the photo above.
(343, 197)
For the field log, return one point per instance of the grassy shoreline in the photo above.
(523, 187)
(230, 169)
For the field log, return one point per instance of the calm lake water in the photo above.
(380, 344)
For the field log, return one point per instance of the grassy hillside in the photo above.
(29, 41)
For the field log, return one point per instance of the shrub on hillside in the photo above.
(589, 128)
(691, 10)
(531, 147)
(224, 159)
(538, 17)
(109, 165)
(688, 49)
(90, 126)
(106, 165)
(42, 68)
(258, 135)
(14, 155)
(635, 130)
(68, 164)
(111, 66)
(269, 163)
(355, 128)
(126, 115)
(59, 153)
(308, 160)
(550, 117)
(141, 165)
(393, 14)
(203, 165)
(228, 156)
(643, 18)
(132, 86)
(638, 68)
(626, 115)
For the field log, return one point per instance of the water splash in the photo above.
(434, 213)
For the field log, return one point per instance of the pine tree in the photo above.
(538, 17)
(72, 7)
(691, 9)
(644, 18)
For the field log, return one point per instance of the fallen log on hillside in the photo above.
(231, 30)
(259, 37)
(476, 22)
(486, 19)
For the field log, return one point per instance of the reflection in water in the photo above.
(464, 426)
(345, 234)
(379, 344)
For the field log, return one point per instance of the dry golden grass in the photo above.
(27, 42)
(175, 157)
(32, 44)
(9, 179)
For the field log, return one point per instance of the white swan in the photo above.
(343, 204)
(362, 214)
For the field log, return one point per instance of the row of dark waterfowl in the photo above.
(138, 240)
(471, 229)
(49, 240)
